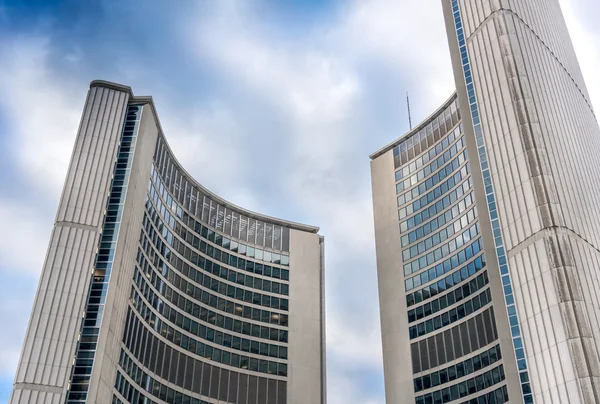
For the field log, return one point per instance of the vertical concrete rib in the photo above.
(543, 143)
(46, 359)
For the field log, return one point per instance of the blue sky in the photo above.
(275, 105)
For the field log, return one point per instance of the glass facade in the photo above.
(517, 340)
(448, 296)
(208, 304)
(258, 239)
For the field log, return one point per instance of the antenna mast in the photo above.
(408, 105)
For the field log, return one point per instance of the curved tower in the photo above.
(156, 290)
(532, 157)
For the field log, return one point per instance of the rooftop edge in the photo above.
(416, 129)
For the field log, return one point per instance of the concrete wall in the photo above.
(46, 360)
(392, 298)
(306, 368)
(543, 145)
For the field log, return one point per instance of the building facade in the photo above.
(156, 290)
(486, 214)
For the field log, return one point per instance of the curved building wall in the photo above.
(191, 298)
(538, 143)
(430, 247)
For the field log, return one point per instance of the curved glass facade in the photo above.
(209, 294)
(452, 334)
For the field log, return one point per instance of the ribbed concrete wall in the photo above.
(543, 145)
(50, 342)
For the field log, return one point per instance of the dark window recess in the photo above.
(285, 237)
(233, 387)
(476, 340)
(252, 389)
(223, 384)
(281, 392)
(416, 358)
(433, 359)
(189, 373)
(424, 355)
(439, 341)
(272, 391)
(464, 338)
(243, 388)
(206, 371)
(456, 342)
(449, 346)
(262, 390)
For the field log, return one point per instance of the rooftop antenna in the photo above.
(408, 105)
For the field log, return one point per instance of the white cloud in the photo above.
(17, 302)
(408, 36)
(25, 237)
(43, 111)
(343, 390)
(355, 346)
(208, 142)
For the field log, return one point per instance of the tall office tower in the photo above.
(487, 222)
(155, 290)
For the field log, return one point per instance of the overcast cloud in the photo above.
(272, 105)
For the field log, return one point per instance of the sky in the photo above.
(273, 105)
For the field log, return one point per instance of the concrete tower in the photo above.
(156, 290)
(487, 222)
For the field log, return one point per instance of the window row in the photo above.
(432, 155)
(158, 356)
(132, 394)
(434, 180)
(451, 316)
(451, 280)
(442, 235)
(437, 193)
(209, 317)
(448, 299)
(454, 343)
(220, 286)
(466, 388)
(205, 314)
(441, 205)
(429, 135)
(205, 333)
(461, 369)
(206, 380)
(214, 237)
(445, 250)
(444, 267)
(420, 175)
(217, 216)
(498, 396)
(202, 278)
(212, 252)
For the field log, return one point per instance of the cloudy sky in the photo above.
(274, 105)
